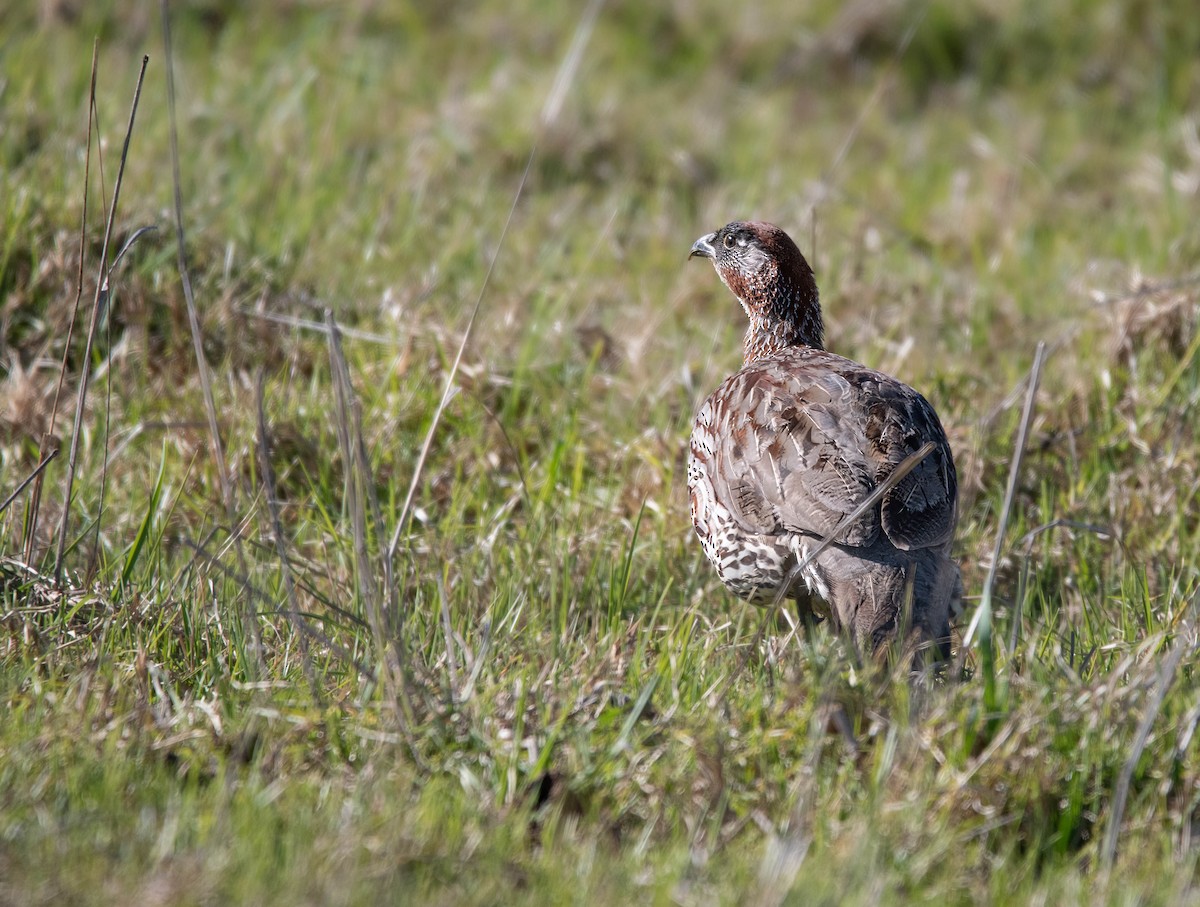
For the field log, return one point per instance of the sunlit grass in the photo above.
(564, 704)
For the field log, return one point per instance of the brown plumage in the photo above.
(788, 446)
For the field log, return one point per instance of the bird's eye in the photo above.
(729, 240)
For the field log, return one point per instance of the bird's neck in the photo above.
(783, 317)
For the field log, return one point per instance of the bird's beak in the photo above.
(704, 247)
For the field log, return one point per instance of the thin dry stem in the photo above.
(107, 295)
(214, 432)
(983, 614)
(359, 491)
(35, 501)
(1183, 645)
(37, 471)
(562, 81)
(267, 471)
(97, 306)
(356, 481)
(201, 552)
(185, 278)
(309, 324)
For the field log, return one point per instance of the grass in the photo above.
(522, 706)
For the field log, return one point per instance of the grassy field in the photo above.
(281, 683)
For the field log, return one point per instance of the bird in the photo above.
(787, 448)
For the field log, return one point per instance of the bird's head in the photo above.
(765, 270)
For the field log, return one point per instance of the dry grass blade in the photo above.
(851, 137)
(189, 297)
(202, 369)
(201, 553)
(570, 63)
(87, 170)
(1166, 676)
(97, 305)
(350, 433)
(982, 621)
(448, 636)
(37, 471)
(908, 465)
(48, 436)
(382, 613)
(105, 296)
(267, 471)
(876, 94)
(129, 244)
(562, 82)
(308, 324)
(1026, 544)
(355, 485)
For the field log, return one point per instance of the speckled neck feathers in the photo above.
(783, 313)
(776, 287)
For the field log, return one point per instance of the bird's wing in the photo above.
(800, 439)
(922, 509)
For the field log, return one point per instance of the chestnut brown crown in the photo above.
(766, 271)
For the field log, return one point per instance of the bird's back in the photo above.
(791, 444)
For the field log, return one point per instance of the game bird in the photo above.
(787, 447)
